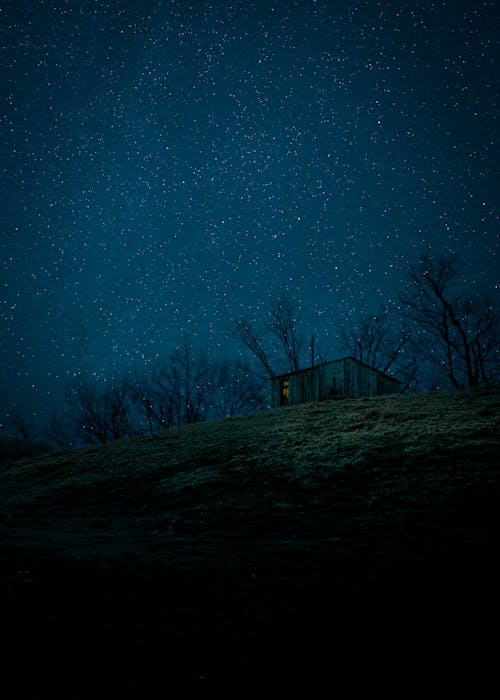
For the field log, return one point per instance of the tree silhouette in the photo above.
(188, 379)
(382, 341)
(238, 390)
(277, 344)
(99, 414)
(458, 331)
(22, 426)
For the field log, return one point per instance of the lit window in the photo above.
(284, 390)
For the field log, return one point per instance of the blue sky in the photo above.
(168, 167)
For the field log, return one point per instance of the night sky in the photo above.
(167, 167)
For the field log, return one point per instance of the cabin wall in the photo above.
(386, 385)
(334, 384)
(359, 380)
(307, 386)
(345, 377)
(315, 384)
(275, 393)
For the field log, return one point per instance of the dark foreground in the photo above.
(365, 620)
(326, 551)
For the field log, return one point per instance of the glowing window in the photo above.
(284, 386)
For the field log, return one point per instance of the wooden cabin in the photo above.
(330, 380)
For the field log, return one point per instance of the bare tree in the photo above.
(153, 404)
(189, 381)
(22, 426)
(238, 390)
(59, 430)
(254, 340)
(459, 332)
(283, 325)
(278, 344)
(87, 412)
(118, 403)
(190, 388)
(383, 342)
(100, 414)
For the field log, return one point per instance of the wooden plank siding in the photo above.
(339, 378)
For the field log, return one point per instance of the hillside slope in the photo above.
(227, 549)
(13, 449)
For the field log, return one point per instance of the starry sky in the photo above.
(168, 166)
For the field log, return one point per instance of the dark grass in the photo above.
(13, 449)
(324, 549)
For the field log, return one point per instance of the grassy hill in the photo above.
(13, 449)
(286, 548)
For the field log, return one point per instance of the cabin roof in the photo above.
(332, 362)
